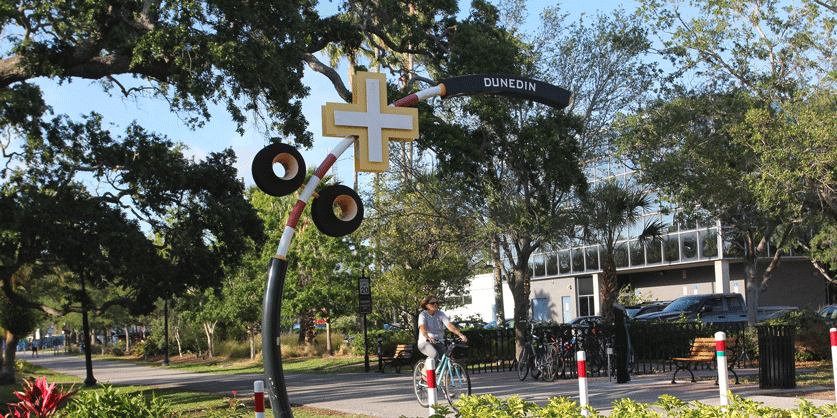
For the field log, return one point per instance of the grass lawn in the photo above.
(220, 365)
(190, 404)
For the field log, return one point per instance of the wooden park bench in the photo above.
(403, 356)
(703, 352)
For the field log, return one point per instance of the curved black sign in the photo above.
(507, 85)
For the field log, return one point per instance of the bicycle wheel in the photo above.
(523, 363)
(456, 382)
(549, 370)
(594, 363)
(420, 384)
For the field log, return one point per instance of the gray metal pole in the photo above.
(271, 349)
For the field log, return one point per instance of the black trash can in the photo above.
(777, 361)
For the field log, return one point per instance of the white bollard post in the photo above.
(258, 392)
(609, 367)
(833, 332)
(721, 354)
(582, 382)
(430, 367)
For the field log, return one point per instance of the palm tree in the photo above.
(607, 210)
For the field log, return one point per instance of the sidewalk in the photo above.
(391, 395)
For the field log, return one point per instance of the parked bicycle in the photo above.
(451, 376)
(538, 356)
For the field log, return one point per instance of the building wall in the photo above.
(482, 303)
(552, 290)
(794, 283)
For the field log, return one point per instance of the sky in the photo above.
(83, 96)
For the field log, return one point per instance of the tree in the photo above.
(51, 219)
(780, 57)
(243, 292)
(518, 163)
(421, 243)
(321, 269)
(605, 212)
(15, 322)
(690, 149)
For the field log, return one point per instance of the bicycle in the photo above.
(451, 376)
(541, 360)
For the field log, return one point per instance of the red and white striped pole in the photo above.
(833, 332)
(430, 367)
(721, 355)
(582, 382)
(258, 393)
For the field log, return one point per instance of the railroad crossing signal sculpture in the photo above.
(369, 124)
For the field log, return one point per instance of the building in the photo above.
(691, 258)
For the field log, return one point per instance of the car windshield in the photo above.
(683, 304)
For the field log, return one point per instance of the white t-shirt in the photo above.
(435, 325)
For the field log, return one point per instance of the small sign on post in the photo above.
(364, 295)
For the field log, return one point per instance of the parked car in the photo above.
(587, 321)
(829, 313)
(645, 308)
(508, 323)
(395, 326)
(713, 307)
(469, 324)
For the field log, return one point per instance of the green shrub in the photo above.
(138, 349)
(108, 403)
(489, 406)
(150, 348)
(812, 342)
(390, 339)
(292, 348)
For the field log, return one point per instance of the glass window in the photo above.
(655, 204)
(734, 303)
(564, 262)
(585, 286)
(592, 254)
(620, 255)
(540, 267)
(671, 247)
(690, 250)
(733, 246)
(637, 254)
(578, 259)
(602, 168)
(585, 305)
(552, 264)
(654, 252)
(669, 222)
(709, 244)
(687, 222)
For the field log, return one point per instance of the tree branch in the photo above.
(332, 75)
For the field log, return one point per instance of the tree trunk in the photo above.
(753, 288)
(177, 338)
(520, 293)
(609, 288)
(251, 336)
(7, 374)
(209, 329)
(306, 327)
(127, 339)
(497, 262)
(329, 350)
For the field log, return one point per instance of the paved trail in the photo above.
(391, 395)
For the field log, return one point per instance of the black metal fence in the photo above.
(653, 345)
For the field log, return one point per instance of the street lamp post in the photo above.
(166, 332)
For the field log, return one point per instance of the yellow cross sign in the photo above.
(370, 120)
